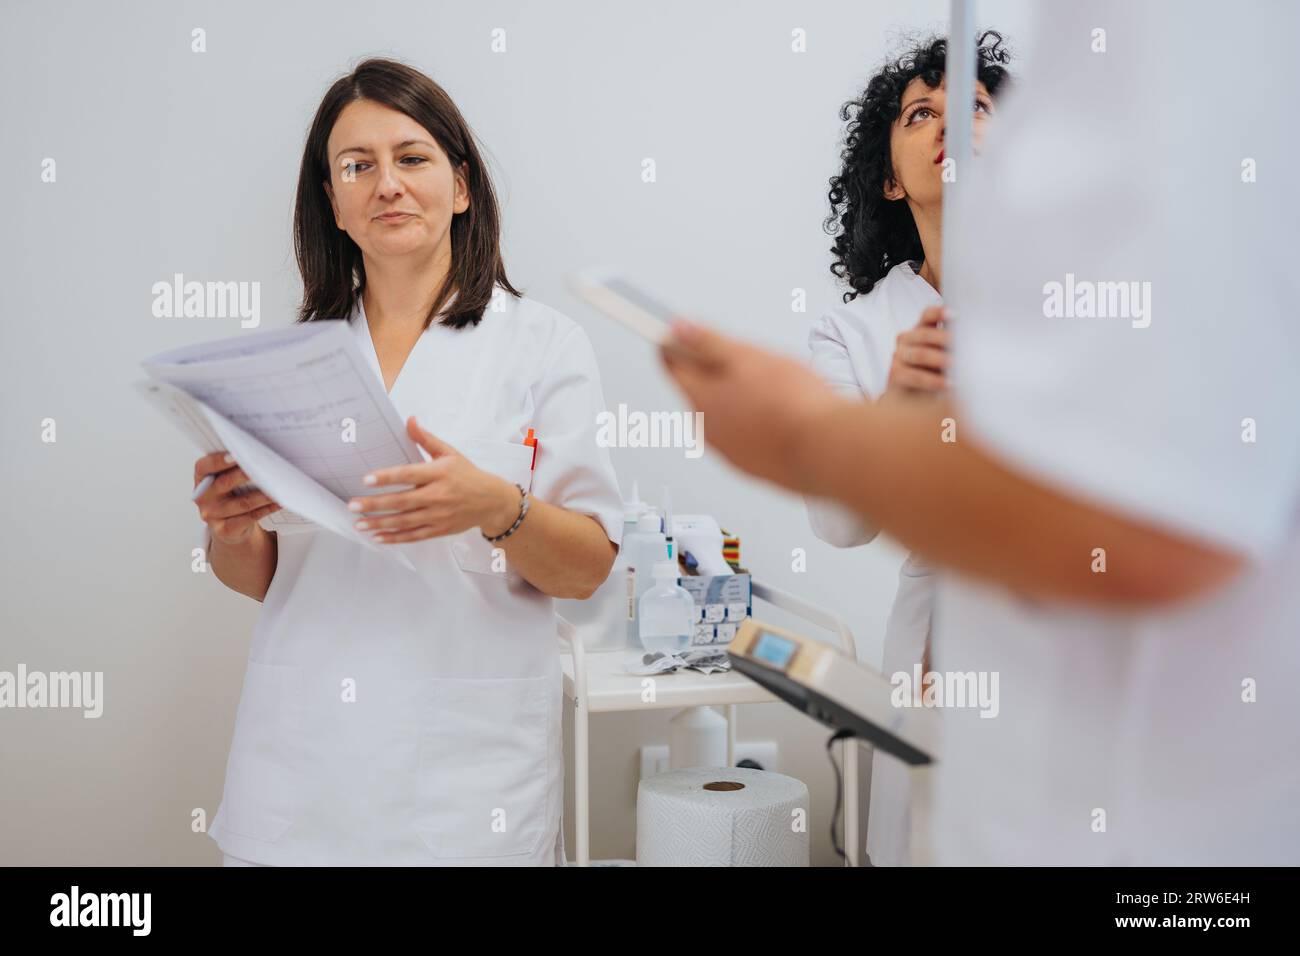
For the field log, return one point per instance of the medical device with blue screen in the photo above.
(827, 685)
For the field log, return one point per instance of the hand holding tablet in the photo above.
(622, 300)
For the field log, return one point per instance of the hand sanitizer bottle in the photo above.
(667, 612)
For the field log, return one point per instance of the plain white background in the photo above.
(174, 161)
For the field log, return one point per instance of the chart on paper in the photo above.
(305, 393)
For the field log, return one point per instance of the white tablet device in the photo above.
(625, 302)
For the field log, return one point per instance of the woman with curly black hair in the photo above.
(886, 216)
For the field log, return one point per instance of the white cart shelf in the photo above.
(596, 683)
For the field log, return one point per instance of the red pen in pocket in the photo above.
(532, 440)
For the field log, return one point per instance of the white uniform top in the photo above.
(451, 752)
(1136, 738)
(852, 349)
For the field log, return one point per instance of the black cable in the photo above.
(839, 789)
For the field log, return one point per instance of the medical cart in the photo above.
(596, 683)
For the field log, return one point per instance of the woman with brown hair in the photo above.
(389, 716)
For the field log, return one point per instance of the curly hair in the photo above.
(872, 233)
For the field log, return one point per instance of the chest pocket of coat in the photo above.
(509, 460)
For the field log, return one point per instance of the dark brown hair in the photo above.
(333, 272)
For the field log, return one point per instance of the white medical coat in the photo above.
(451, 752)
(852, 348)
(1164, 737)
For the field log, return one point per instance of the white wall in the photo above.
(171, 161)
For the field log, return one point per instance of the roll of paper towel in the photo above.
(721, 816)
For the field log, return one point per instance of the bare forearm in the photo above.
(247, 567)
(559, 552)
(956, 505)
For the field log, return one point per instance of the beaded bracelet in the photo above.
(523, 510)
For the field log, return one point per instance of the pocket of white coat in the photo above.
(262, 775)
(484, 787)
(512, 461)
